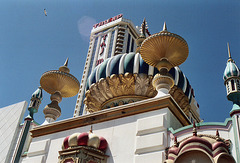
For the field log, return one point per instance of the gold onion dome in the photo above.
(164, 49)
(60, 81)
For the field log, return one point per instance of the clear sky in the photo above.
(32, 43)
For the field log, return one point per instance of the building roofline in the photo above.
(203, 125)
(143, 106)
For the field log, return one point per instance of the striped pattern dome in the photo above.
(85, 139)
(38, 94)
(231, 70)
(133, 63)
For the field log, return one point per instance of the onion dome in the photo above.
(126, 78)
(35, 102)
(231, 69)
(89, 140)
(200, 147)
(38, 94)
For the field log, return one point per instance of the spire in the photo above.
(229, 53)
(194, 129)
(217, 135)
(64, 68)
(91, 129)
(175, 141)
(164, 27)
(66, 62)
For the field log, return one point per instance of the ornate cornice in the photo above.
(143, 106)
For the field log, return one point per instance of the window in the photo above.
(111, 45)
(128, 43)
(232, 84)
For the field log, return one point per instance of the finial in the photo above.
(217, 135)
(194, 129)
(64, 68)
(229, 53)
(164, 27)
(91, 129)
(66, 62)
(175, 141)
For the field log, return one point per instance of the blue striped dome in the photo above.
(38, 94)
(133, 63)
(231, 70)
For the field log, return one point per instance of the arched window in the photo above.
(232, 84)
(238, 85)
(228, 89)
(194, 156)
(225, 158)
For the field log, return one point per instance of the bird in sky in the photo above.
(45, 12)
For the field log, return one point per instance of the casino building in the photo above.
(134, 105)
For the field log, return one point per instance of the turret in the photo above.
(24, 136)
(231, 78)
(36, 100)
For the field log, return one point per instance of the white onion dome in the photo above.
(90, 140)
(126, 78)
(38, 94)
(231, 70)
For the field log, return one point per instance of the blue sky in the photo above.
(32, 43)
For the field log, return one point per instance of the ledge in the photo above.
(114, 113)
(203, 125)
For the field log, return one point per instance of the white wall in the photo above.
(138, 138)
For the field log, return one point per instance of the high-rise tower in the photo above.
(108, 38)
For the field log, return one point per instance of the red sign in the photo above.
(99, 61)
(107, 21)
(103, 44)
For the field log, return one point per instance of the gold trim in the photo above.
(118, 87)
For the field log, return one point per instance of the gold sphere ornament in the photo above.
(164, 49)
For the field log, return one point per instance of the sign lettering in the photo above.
(107, 21)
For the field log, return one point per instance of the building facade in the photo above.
(134, 106)
(108, 38)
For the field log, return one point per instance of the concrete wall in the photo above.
(139, 138)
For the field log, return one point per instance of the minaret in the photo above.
(231, 78)
(24, 135)
(36, 100)
(164, 50)
(59, 83)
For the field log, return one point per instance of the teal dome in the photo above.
(38, 94)
(231, 70)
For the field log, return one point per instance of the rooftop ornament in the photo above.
(164, 50)
(59, 83)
